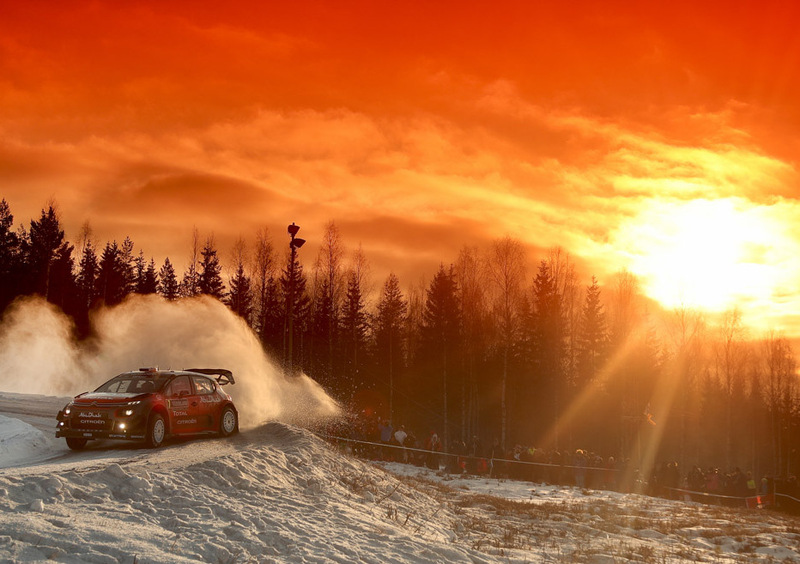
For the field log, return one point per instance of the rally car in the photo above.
(149, 405)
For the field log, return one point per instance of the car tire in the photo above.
(75, 443)
(156, 431)
(229, 422)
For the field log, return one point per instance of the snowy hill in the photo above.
(278, 493)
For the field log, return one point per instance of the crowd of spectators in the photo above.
(377, 438)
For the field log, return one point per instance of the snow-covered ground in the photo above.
(277, 493)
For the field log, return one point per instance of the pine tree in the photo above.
(592, 336)
(62, 290)
(546, 326)
(139, 267)
(441, 335)
(272, 317)
(146, 276)
(148, 284)
(10, 258)
(354, 327)
(190, 284)
(321, 334)
(296, 303)
(240, 297)
(88, 270)
(113, 280)
(168, 282)
(44, 245)
(209, 280)
(389, 341)
(128, 265)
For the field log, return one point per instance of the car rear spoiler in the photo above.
(223, 376)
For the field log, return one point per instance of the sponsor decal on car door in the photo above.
(184, 406)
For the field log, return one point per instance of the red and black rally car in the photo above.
(150, 405)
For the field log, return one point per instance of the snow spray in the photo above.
(39, 355)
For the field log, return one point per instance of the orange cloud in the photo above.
(417, 128)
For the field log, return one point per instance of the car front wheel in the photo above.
(76, 444)
(156, 431)
(229, 423)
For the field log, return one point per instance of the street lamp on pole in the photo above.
(294, 244)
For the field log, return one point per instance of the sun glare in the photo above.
(709, 254)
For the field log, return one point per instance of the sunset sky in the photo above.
(661, 137)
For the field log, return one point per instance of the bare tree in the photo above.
(328, 287)
(265, 283)
(566, 281)
(729, 362)
(506, 271)
(780, 389)
(472, 289)
(685, 326)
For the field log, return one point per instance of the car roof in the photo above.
(221, 375)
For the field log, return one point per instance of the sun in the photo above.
(708, 254)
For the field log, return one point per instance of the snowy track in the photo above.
(279, 494)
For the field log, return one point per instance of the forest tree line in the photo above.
(489, 347)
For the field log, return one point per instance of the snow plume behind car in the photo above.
(38, 354)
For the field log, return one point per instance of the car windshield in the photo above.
(133, 384)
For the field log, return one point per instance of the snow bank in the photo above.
(280, 494)
(284, 497)
(22, 443)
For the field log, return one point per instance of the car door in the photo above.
(208, 402)
(184, 407)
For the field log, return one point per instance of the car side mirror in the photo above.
(183, 393)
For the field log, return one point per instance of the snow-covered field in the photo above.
(278, 493)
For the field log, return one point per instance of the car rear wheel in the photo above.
(229, 423)
(76, 444)
(156, 431)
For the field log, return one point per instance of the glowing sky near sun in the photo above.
(655, 136)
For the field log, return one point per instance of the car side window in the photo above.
(203, 386)
(180, 386)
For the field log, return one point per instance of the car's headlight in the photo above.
(131, 408)
(67, 410)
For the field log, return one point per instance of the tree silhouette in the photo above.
(297, 302)
(10, 257)
(391, 314)
(592, 336)
(113, 282)
(240, 297)
(354, 326)
(190, 284)
(441, 334)
(506, 271)
(168, 282)
(88, 270)
(473, 280)
(547, 349)
(327, 301)
(209, 281)
(42, 247)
